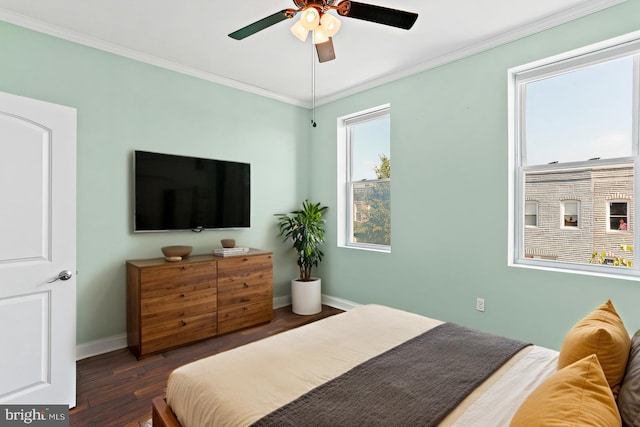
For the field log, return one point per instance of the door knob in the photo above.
(63, 275)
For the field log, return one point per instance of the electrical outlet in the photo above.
(480, 304)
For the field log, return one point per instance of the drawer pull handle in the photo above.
(183, 323)
(181, 295)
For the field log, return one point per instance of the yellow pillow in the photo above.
(577, 395)
(602, 333)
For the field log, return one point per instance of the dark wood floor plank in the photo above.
(115, 389)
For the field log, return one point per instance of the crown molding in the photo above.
(586, 8)
(75, 37)
(583, 9)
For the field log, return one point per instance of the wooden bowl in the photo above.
(228, 243)
(176, 251)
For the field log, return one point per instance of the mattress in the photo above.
(240, 386)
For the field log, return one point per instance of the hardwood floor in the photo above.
(115, 389)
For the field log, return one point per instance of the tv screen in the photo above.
(189, 193)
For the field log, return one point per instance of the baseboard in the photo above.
(340, 303)
(334, 302)
(94, 348)
(116, 342)
(279, 302)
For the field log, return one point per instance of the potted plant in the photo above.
(305, 229)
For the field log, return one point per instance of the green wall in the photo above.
(449, 194)
(125, 105)
(449, 198)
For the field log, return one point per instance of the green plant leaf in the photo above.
(305, 229)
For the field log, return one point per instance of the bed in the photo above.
(331, 372)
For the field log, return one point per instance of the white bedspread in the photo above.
(240, 386)
(495, 402)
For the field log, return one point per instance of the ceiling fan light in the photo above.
(330, 24)
(320, 36)
(300, 31)
(310, 18)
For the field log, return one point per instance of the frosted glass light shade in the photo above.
(330, 24)
(320, 36)
(300, 31)
(310, 18)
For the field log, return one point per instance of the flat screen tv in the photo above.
(189, 193)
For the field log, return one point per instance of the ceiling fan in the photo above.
(315, 19)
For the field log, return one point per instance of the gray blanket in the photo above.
(414, 384)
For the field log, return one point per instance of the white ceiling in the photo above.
(191, 37)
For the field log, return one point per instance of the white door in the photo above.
(37, 244)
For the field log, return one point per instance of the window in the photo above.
(364, 180)
(618, 219)
(570, 212)
(531, 214)
(574, 150)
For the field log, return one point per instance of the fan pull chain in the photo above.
(313, 85)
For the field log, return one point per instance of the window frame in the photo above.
(518, 77)
(563, 219)
(345, 194)
(536, 205)
(626, 216)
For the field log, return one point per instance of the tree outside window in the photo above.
(372, 203)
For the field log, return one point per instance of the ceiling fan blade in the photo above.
(262, 24)
(325, 51)
(377, 14)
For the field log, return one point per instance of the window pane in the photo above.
(571, 208)
(617, 223)
(370, 142)
(570, 214)
(531, 214)
(593, 217)
(618, 216)
(580, 115)
(531, 208)
(370, 175)
(618, 208)
(372, 212)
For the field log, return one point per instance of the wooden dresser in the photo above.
(245, 292)
(175, 303)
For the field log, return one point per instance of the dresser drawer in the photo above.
(244, 268)
(248, 290)
(166, 308)
(241, 316)
(176, 279)
(245, 280)
(165, 335)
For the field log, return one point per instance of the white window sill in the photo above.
(582, 269)
(371, 248)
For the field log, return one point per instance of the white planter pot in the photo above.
(306, 297)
